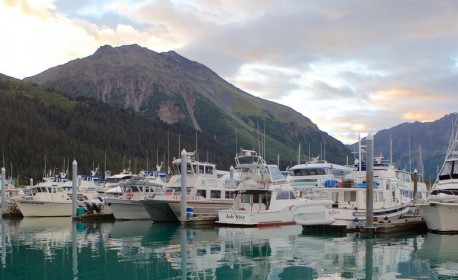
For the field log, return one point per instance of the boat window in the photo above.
(275, 174)
(201, 169)
(282, 195)
(134, 189)
(320, 171)
(446, 170)
(246, 198)
(350, 196)
(201, 193)
(455, 169)
(335, 196)
(380, 196)
(215, 194)
(230, 194)
(209, 169)
(177, 169)
(215, 249)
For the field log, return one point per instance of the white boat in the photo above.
(441, 208)
(206, 193)
(392, 197)
(113, 180)
(128, 205)
(53, 198)
(316, 173)
(264, 197)
(45, 201)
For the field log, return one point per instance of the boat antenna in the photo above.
(168, 146)
(421, 163)
(259, 145)
(264, 142)
(324, 150)
(359, 151)
(236, 148)
(309, 151)
(391, 151)
(179, 143)
(197, 154)
(410, 158)
(299, 154)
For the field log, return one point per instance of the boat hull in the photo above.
(440, 216)
(255, 219)
(31, 208)
(313, 213)
(128, 209)
(159, 210)
(201, 208)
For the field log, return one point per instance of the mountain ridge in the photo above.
(175, 89)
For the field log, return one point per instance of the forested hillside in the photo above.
(41, 128)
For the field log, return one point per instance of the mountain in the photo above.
(43, 130)
(173, 89)
(407, 139)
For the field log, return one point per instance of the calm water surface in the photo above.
(57, 248)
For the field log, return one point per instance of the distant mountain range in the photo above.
(171, 88)
(417, 145)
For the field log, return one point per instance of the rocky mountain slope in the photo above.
(171, 88)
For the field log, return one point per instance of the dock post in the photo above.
(74, 187)
(369, 180)
(415, 180)
(184, 157)
(3, 191)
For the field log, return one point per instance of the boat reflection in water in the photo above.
(441, 253)
(57, 248)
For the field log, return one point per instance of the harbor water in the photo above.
(59, 248)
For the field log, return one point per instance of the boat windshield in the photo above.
(449, 171)
(275, 173)
(307, 171)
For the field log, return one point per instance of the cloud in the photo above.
(350, 66)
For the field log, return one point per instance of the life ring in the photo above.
(129, 196)
(241, 208)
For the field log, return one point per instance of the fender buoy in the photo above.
(129, 196)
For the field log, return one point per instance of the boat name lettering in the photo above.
(333, 212)
(235, 216)
(32, 202)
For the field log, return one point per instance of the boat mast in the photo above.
(299, 155)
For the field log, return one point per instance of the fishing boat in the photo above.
(265, 198)
(206, 193)
(441, 208)
(128, 205)
(53, 198)
(44, 201)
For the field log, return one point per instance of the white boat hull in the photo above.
(256, 218)
(31, 208)
(313, 213)
(440, 216)
(128, 209)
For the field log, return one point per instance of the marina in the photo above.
(57, 248)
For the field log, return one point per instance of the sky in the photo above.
(351, 67)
